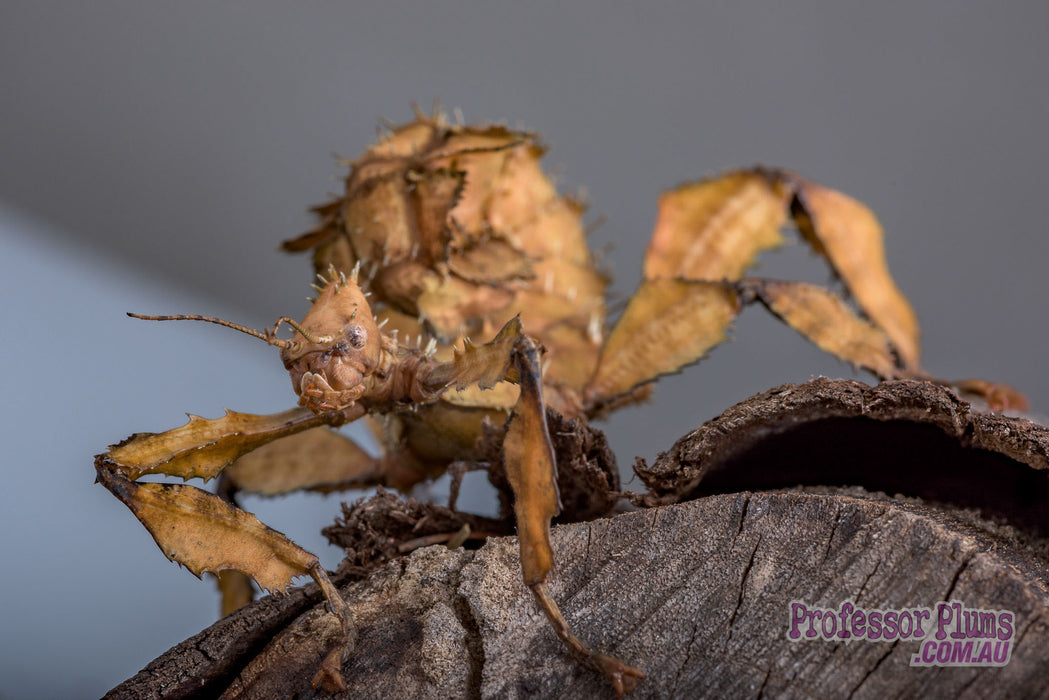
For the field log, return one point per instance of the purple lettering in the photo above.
(829, 617)
(962, 652)
(1005, 626)
(986, 625)
(1003, 647)
(970, 624)
(920, 615)
(874, 630)
(985, 653)
(846, 610)
(905, 615)
(798, 613)
(943, 619)
(892, 626)
(959, 632)
(943, 654)
(813, 616)
(859, 623)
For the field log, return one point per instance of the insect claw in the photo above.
(384, 322)
(316, 287)
(312, 300)
(355, 273)
(322, 279)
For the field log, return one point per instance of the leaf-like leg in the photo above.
(200, 530)
(318, 459)
(483, 365)
(999, 397)
(669, 323)
(531, 469)
(824, 318)
(205, 534)
(202, 448)
(847, 234)
(235, 589)
(714, 229)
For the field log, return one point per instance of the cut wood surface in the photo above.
(698, 594)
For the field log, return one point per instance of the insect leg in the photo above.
(203, 532)
(235, 589)
(669, 323)
(531, 469)
(715, 229)
(318, 459)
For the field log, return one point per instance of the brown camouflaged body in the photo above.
(458, 230)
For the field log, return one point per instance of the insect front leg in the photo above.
(531, 468)
(203, 532)
(320, 460)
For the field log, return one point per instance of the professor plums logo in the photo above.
(948, 634)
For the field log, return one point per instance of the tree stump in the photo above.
(888, 498)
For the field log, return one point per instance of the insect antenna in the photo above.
(272, 332)
(269, 335)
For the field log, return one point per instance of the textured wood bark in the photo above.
(698, 594)
(906, 437)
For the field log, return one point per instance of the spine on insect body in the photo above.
(457, 230)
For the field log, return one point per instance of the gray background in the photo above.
(152, 156)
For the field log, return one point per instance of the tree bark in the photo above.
(699, 594)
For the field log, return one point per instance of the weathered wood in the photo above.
(698, 594)
(907, 437)
(206, 662)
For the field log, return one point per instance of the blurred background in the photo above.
(153, 155)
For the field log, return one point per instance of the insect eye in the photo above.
(357, 335)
